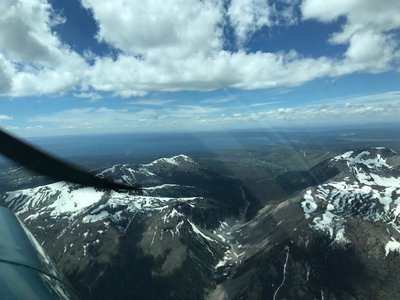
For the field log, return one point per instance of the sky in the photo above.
(90, 66)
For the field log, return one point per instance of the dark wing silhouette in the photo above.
(45, 164)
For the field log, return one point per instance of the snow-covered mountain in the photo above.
(87, 231)
(336, 239)
(188, 236)
(370, 192)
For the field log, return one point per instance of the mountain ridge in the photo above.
(189, 233)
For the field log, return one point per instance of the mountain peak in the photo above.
(174, 160)
(367, 188)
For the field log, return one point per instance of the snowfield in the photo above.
(368, 194)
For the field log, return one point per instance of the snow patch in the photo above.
(159, 187)
(363, 158)
(284, 273)
(172, 214)
(131, 204)
(197, 231)
(392, 246)
(372, 196)
(343, 156)
(68, 199)
(175, 160)
(308, 205)
(325, 223)
(386, 181)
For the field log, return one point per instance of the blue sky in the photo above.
(74, 67)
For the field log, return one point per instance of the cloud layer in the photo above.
(374, 108)
(5, 118)
(181, 45)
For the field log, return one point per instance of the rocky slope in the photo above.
(119, 244)
(333, 240)
(335, 236)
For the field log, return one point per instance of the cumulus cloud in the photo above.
(248, 16)
(33, 60)
(179, 45)
(210, 67)
(6, 71)
(25, 34)
(368, 31)
(174, 28)
(130, 76)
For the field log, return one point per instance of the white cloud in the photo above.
(219, 100)
(263, 104)
(12, 128)
(172, 29)
(178, 45)
(25, 34)
(32, 58)
(350, 111)
(367, 31)
(288, 14)
(88, 95)
(248, 16)
(192, 110)
(6, 71)
(307, 116)
(209, 67)
(392, 97)
(5, 118)
(36, 127)
(152, 102)
(104, 119)
(128, 76)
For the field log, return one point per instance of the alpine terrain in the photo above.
(193, 233)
